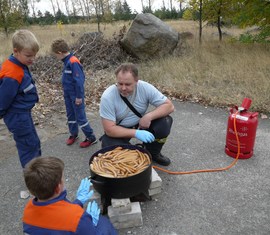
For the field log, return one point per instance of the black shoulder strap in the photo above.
(130, 106)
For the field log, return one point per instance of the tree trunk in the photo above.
(6, 31)
(33, 7)
(84, 8)
(53, 7)
(74, 10)
(58, 5)
(200, 21)
(67, 7)
(219, 28)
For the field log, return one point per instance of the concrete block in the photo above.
(126, 220)
(120, 206)
(129, 224)
(154, 191)
(120, 202)
(156, 180)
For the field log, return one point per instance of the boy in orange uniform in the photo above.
(18, 95)
(50, 212)
(73, 85)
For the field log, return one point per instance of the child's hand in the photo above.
(93, 210)
(78, 101)
(84, 193)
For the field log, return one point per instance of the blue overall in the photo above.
(18, 95)
(73, 86)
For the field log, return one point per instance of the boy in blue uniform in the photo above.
(18, 95)
(73, 85)
(50, 212)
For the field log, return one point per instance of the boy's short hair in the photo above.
(60, 45)
(24, 39)
(128, 67)
(42, 175)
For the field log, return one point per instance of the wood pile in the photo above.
(97, 55)
(93, 50)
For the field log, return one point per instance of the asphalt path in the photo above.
(231, 202)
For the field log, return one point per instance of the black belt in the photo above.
(132, 127)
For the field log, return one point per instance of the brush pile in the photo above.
(99, 57)
(93, 50)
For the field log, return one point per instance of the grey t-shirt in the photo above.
(113, 108)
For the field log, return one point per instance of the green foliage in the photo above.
(122, 11)
(262, 37)
(241, 12)
(255, 12)
(11, 16)
(165, 13)
(147, 9)
(61, 17)
(188, 14)
(246, 38)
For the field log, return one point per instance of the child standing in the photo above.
(50, 212)
(18, 95)
(73, 85)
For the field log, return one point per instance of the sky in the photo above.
(45, 5)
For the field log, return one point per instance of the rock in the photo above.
(149, 37)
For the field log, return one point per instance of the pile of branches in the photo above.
(93, 50)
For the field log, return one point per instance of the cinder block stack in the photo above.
(125, 214)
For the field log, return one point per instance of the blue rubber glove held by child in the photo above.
(93, 210)
(84, 193)
(144, 136)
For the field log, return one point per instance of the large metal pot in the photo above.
(122, 187)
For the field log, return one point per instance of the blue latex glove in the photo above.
(144, 136)
(84, 193)
(93, 210)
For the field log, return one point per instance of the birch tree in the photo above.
(32, 4)
(66, 2)
(53, 8)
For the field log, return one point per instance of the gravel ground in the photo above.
(235, 201)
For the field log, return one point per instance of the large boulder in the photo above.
(149, 37)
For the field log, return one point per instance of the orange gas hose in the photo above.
(208, 170)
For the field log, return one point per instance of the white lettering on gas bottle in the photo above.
(241, 134)
(243, 118)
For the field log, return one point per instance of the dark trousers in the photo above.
(24, 133)
(160, 128)
(77, 117)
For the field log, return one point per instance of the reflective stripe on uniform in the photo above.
(28, 88)
(84, 125)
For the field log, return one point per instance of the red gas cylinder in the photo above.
(246, 126)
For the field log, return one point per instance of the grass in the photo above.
(215, 73)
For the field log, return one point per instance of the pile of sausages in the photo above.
(120, 163)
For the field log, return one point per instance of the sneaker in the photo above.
(86, 143)
(71, 140)
(161, 160)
